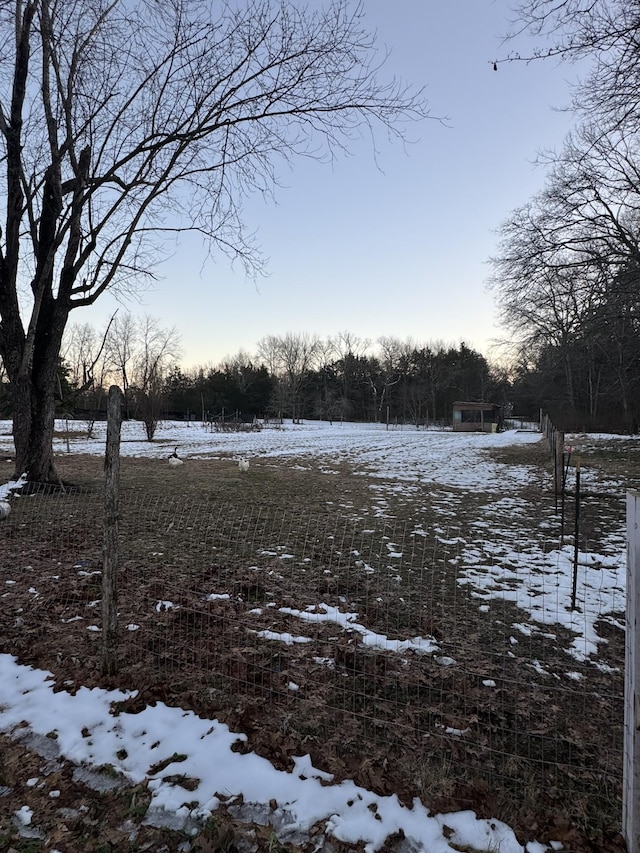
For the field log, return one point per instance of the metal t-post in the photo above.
(631, 766)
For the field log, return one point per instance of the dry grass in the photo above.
(539, 754)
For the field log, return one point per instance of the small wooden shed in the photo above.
(477, 417)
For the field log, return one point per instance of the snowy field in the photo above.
(536, 579)
(405, 458)
(401, 453)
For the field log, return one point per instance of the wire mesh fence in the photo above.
(392, 654)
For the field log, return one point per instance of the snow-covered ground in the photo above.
(400, 453)
(537, 581)
(200, 749)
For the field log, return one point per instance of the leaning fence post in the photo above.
(109, 662)
(631, 768)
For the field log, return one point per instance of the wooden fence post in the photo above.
(576, 538)
(109, 661)
(558, 459)
(631, 768)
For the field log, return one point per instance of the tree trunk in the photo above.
(34, 403)
(33, 427)
(568, 371)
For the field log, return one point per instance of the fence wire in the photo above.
(364, 642)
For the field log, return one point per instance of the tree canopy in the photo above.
(124, 123)
(567, 270)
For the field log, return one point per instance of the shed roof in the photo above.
(476, 406)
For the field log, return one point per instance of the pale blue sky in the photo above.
(395, 248)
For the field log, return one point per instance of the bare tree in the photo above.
(85, 355)
(158, 348)
(574, 29)
(268, 352)
(124, 123)
(121, 347)
(543, 307)
(349, 349)
(390, 351)
(139, 352)
(290, 358)
(346, 343)
(240, 366)
(589, 218)
(80, 346)
(602, 36)
(326, 405)
(567, 277)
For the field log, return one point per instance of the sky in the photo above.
(392, 245)
(521, 570)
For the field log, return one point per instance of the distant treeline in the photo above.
(418, 386)
(292, 376)
(299, 376)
